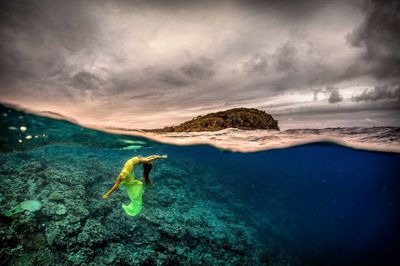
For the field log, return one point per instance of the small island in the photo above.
(241, 118)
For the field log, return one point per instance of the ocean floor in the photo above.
(180, 222)
(317, 204)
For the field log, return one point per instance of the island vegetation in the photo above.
(241, 118)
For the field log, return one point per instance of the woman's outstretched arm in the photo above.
(114, 187)
(151, 158)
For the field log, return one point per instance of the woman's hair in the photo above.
(146, 173)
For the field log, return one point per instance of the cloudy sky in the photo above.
(148, 64)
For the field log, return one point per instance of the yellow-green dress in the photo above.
(133, 186)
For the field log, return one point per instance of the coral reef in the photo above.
(180, 224)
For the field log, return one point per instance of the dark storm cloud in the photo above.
(378, 93)
(380, 35)
(299, 9)
(43, 36)
(173, 78)
(86, 80)
(288, 8)
(334, 94)
(189, 73)
(256, 64)
(175, 56)
(286, 58)
(198, 70)
(294, 66)
(37, 35)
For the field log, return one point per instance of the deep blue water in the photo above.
(339, 204)
(317, 204)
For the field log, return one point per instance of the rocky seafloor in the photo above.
(179, 222)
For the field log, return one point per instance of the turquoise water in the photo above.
(316, 204)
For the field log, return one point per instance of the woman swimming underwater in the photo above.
(133, 186)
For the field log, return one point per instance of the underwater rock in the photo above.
(42, 256)
(52, 236)
(111, 254)
(50, 209)
(80, 257)
(28, 205)
(56, 196)
(71, 224)
(93, 232)
(180, 250)
(61, 209)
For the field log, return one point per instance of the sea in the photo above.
(231, 197)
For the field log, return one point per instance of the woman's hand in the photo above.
(164, 156)
(105, 196)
